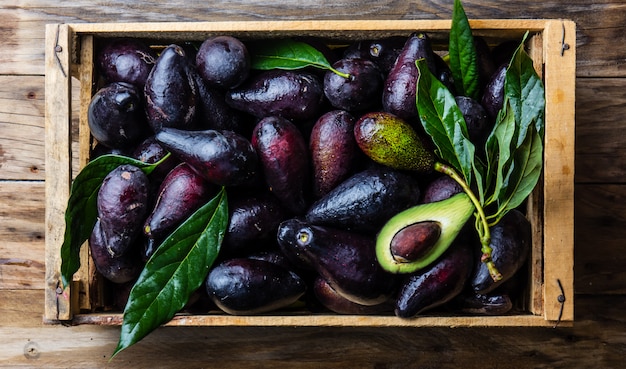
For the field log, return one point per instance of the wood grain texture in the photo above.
(597, 340)
(21, 127)
(600, 134)
(600, 231)
(599, 24)
(22, 260)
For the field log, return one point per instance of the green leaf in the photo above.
(81, 211)
(177, 268)
(523, 175)
(499, 149)
(288, 54)
(443, 121)
(462, 53)
(525, 90)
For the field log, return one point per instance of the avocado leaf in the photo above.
(177, 268)
(443, 121)
(81, 211)
(462, 54)
(289, 55)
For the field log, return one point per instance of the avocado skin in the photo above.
(511, 240)
(170, 91)
(389, 140)
(242, 286)
(284, 160)
(436, 285)
(122, 206)
(333, 149)
(345, 259)
(493, 96)
(366, 200)
(293, 95)
(401, 83)
(224, 158)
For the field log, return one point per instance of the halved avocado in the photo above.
(451, 214)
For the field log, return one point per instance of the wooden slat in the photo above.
(22, 264)
(558, 230)
(58, 163)
(21, 127)
(600, 134)
(600, 231)
(86, 79)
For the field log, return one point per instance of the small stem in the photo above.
(482, 227)
(342, 74)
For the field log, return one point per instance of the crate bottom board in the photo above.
(330, 320)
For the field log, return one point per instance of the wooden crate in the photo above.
(550, 290)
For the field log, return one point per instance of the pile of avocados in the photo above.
(333, 203)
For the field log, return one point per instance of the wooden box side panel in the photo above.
(58, 165)
(559, 78)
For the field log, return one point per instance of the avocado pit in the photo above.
(414, 241)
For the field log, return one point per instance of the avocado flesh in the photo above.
(451, 214)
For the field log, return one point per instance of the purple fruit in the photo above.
(170, 91)
(253, 220)
(346, 260)
(223, 61)
(122, 205)
(115, 116)
(336, 303)
(284, 159)
(293, 95)
(493, 96)
(126, 60)
(182, 192)
(333, 150)
(366, 200)
(249, 286)
(120, 269)
(511, 239)
(224, 158)
(401, 83)
(441, 188)
(359, 92)
(437, 284)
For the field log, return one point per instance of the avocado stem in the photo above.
(482, 225)
(342, 74)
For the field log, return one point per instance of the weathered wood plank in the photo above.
(600, 231)
(600, 134)
(22, 127)
(599, 25)
(597, 340)
(58, 158)
(22, 260)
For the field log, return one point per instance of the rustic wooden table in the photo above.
(598, 338)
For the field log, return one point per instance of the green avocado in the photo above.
(391, 141)
(450, 214)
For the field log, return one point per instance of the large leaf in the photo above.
(462, 52)
(288, 54)
(443, 121)
(524, 89)
(177, 268)
(524, 174)
(81, 211)
(499, 150)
